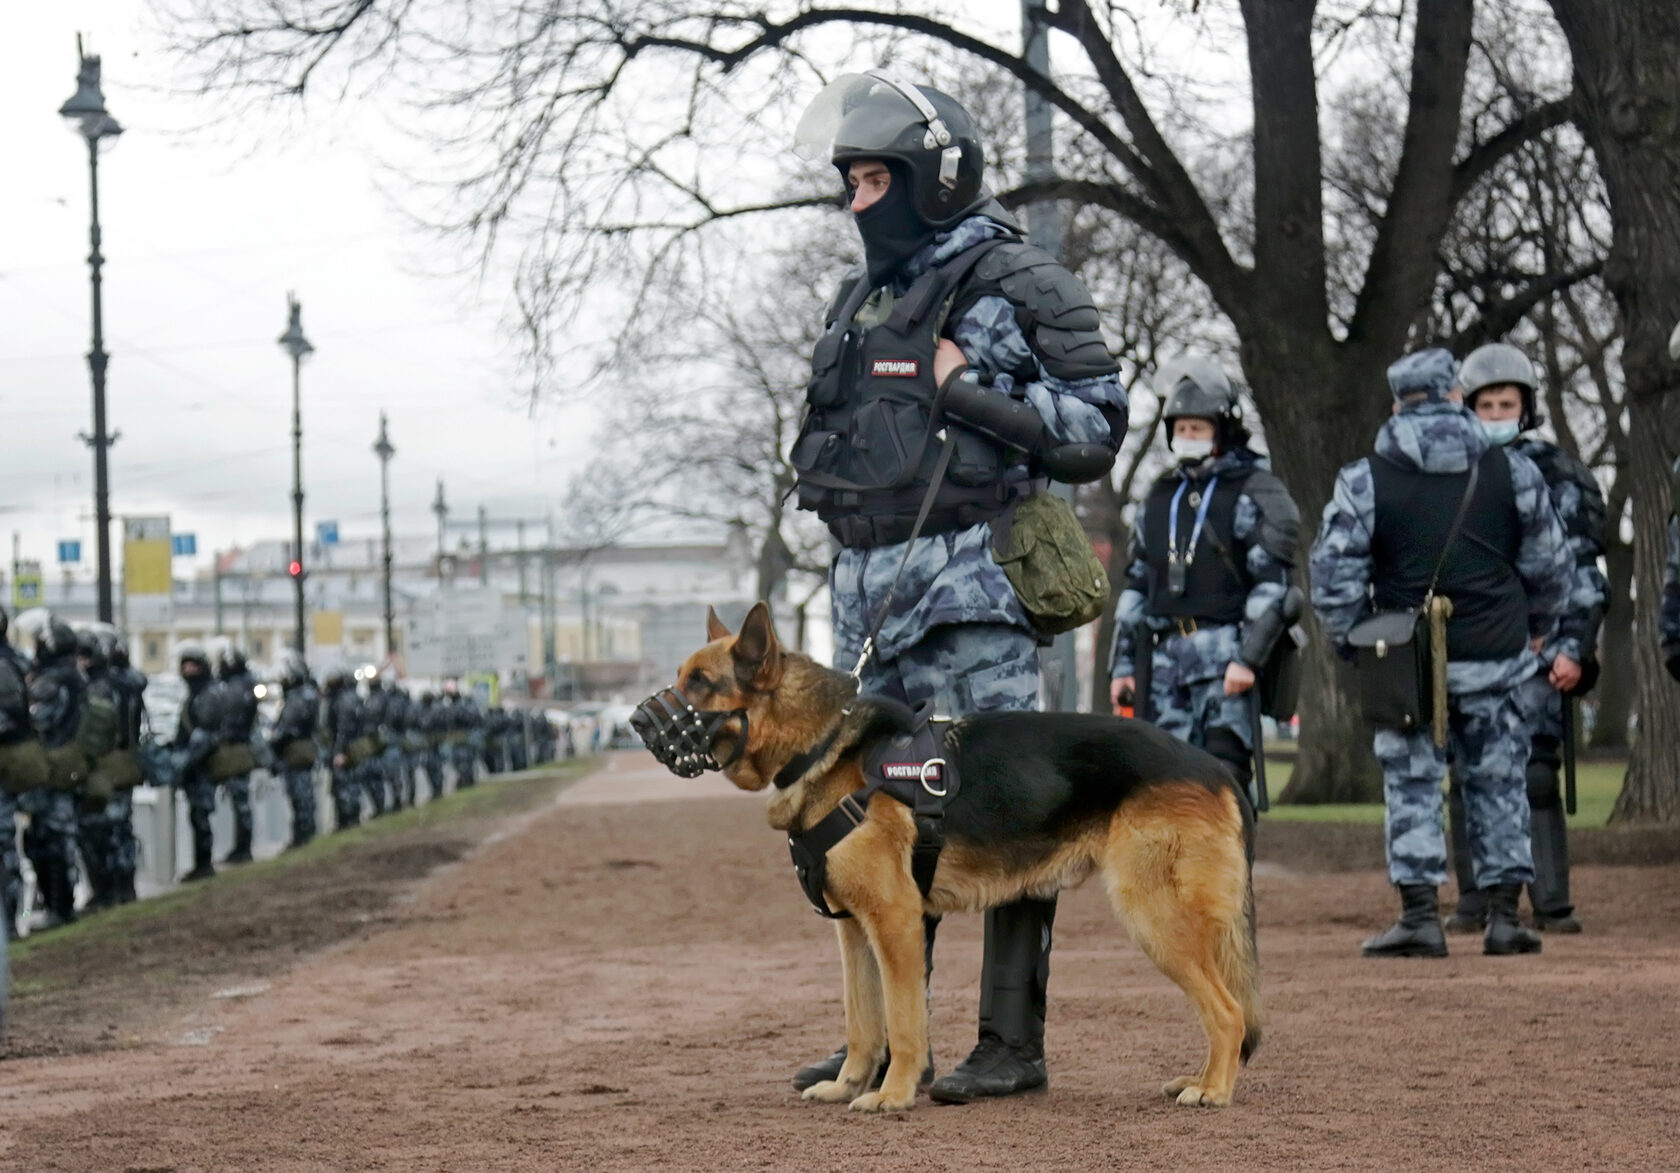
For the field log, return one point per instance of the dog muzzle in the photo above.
(682, 737)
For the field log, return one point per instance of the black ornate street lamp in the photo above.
(87, 114)
(296, 345)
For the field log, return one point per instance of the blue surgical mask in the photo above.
(1501, 431)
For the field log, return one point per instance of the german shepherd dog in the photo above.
(1045, 800)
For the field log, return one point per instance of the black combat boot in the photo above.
(1418, 931)
(1549, 893)
(1009, 1057)
(1505, 933)
(125, 888)
(241, 852)
(58, 893)
(824, 1070)
(202, 868)
(1470, 916)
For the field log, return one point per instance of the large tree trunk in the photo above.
(1628, 74)
(1615, 686)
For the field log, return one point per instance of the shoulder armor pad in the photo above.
(847, 284)
(1585, 521)
(1280, 517)
(1053, 308)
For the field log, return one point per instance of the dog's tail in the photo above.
(1238, 954)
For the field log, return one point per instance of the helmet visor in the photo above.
(1203, 372)
(814, 137)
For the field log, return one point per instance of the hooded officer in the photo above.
(1507, 576)
(131, 688)
(464, 722)
(372, 771)
(239, 716)
(433, 721)
(1213, 547)
(952, 307)
(94, 833)
(57, 697)
(199, 732)
(342, 712)
(15, 728)
(293, 742)
(1499, 385)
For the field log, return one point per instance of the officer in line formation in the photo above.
(70, 719)
(1668, 624)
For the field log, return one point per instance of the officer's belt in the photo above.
(910, 768)
(870, 532)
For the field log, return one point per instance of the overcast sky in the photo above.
(205, 231)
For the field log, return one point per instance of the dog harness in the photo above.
(912, 768)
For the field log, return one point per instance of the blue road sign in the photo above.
(326, 533)
(183, 545)
(70, 551)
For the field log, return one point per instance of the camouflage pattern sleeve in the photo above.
(1341, 556)
(1544, 562)
(992, 341)
(1268, 567)
(1589, 593)
(1128, 612)
(1670, 619)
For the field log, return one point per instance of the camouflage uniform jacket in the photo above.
(952, 577)
(55, 701)
(1583, 525)
(1444, 439)
(1204, 654)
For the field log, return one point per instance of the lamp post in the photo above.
(441, 508)
(295, 344)
(382, 448)
(87, 114)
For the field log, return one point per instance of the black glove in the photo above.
(1590, 671)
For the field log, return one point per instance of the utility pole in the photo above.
(382, 448)
(296, 345)
(483, 546)
(519, 528)
(1044, 229)
(441, 510)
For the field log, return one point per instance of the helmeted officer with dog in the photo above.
(1208, 601)
(1499, 384)
(956, 370)
(1440, 566)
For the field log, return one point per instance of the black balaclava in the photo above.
(892, 231)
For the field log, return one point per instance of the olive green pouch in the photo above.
(1049, 561)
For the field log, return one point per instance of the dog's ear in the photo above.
(715, 627)
(757, 652)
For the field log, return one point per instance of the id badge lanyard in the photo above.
(1180, 561)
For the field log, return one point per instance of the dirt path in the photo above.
(625, 980)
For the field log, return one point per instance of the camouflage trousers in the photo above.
(960, 667)
(463, 757)
(51, 834)
(109, 848)
(393, 765)
(239, 798)
(1544, 706)
(413, 763)
(1488, 745)
(11, 863)
(347, 796)
(434, 773)
(200, 792)
(300, 794)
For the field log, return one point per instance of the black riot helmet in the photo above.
(230, 662)
(193, 653)
(927, 133)
(1196, 388)
(5, 623)
(1498, 364)
(91, 650)
(57, 641)
(292, 669)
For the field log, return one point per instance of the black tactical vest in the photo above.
(866, 452)
(1216, 585)
(1414, 509)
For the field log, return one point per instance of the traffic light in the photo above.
(295, 569)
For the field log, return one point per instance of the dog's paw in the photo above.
(1196, 1096)
(830, 1091)
(882, 1102)
(1172, 1087)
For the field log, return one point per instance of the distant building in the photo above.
(595, 623)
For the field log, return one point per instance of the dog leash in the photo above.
(944, 462)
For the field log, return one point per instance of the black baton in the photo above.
(1257, 729)
(1571, 711)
